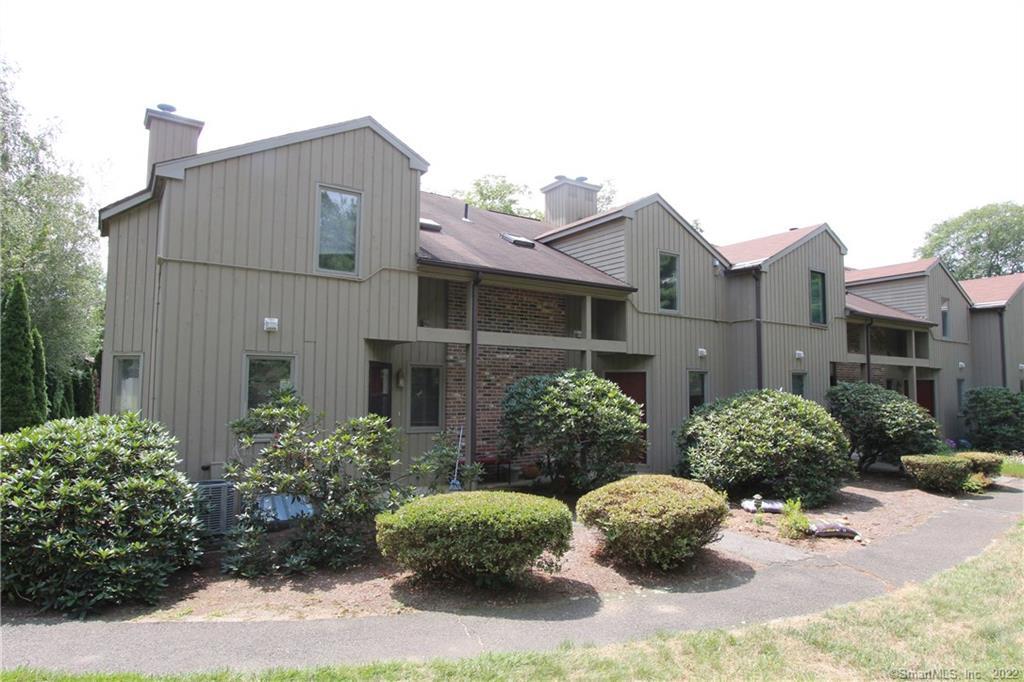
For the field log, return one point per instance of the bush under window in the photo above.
(882, 425)
(344, 474)
(94, 512)
(654, 520)
(483, 537)
(589, 430)
(994, 417)
(765, 441)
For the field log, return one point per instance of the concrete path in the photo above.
(805, 584)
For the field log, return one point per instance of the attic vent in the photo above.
(516, 240)
(430, 225)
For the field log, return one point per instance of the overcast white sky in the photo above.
(880, 118)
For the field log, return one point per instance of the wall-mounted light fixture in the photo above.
(1021, 366)
(799, 355)
(702, 352)
(400, 378)
(271, 324)
(962, 365)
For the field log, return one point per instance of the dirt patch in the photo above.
(876, 506)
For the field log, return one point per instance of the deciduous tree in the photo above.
(983, 242)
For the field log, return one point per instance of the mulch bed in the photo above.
(877, 506)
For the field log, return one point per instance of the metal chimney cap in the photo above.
(169, 108)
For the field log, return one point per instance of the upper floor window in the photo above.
(944, 314)
(127, 391)
(817, 297)
(339, 230)
(669, 278)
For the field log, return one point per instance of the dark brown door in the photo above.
(634, 385)
(380, 389)
(926, 395)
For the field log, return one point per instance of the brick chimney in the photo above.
(170, 136)
(567, 200)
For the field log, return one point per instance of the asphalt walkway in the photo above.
(788, 586)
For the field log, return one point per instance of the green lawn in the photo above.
(966, 620)
(1013, 466)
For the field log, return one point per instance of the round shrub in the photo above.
(984, 463)
(654, 520)
(485, 537)
(766, 441)
(94, 512)
(941, 473)
(994, 417)
(882, 425)
(590, 431)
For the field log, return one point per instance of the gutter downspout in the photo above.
(867, 348)
(1002, 345)
(758, 328)
(471, 365)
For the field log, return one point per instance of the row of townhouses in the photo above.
(315, 259)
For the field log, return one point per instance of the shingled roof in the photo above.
(478, 244)
(899, 270)
(993, 291)
(760, 251)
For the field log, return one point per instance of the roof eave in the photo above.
(521, 275)
(888, 318)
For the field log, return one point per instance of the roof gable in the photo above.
(628, 211)
(175, 168)
(764, 250)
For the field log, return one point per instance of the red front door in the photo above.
(634, 385)
(926, 395)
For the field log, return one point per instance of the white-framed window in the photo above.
(961, 386)
(426, 399)
(668, 279)
(944, 316)
(338, 218)
(265, 375)
(126, 393)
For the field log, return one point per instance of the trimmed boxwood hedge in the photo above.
(485, 537)
(95, 512)
(941, 473)
(985, 463)
(766, 441)
(654, 520)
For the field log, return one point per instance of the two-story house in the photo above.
(314, 259)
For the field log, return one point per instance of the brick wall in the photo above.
(849, 371)
(500, 310)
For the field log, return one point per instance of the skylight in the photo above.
(516, 240)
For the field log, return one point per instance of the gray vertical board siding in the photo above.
(788, 329)
(909, 294)
(671, 339)
(985, 349)
(946, 354)
(1013, 327)
(603, 247)
(240, 244)
(568, 203)
(168, 140)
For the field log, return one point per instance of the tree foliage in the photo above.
(994, 417)
(48, 237)
(497, 193)
(18, 407)
(983, 242)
